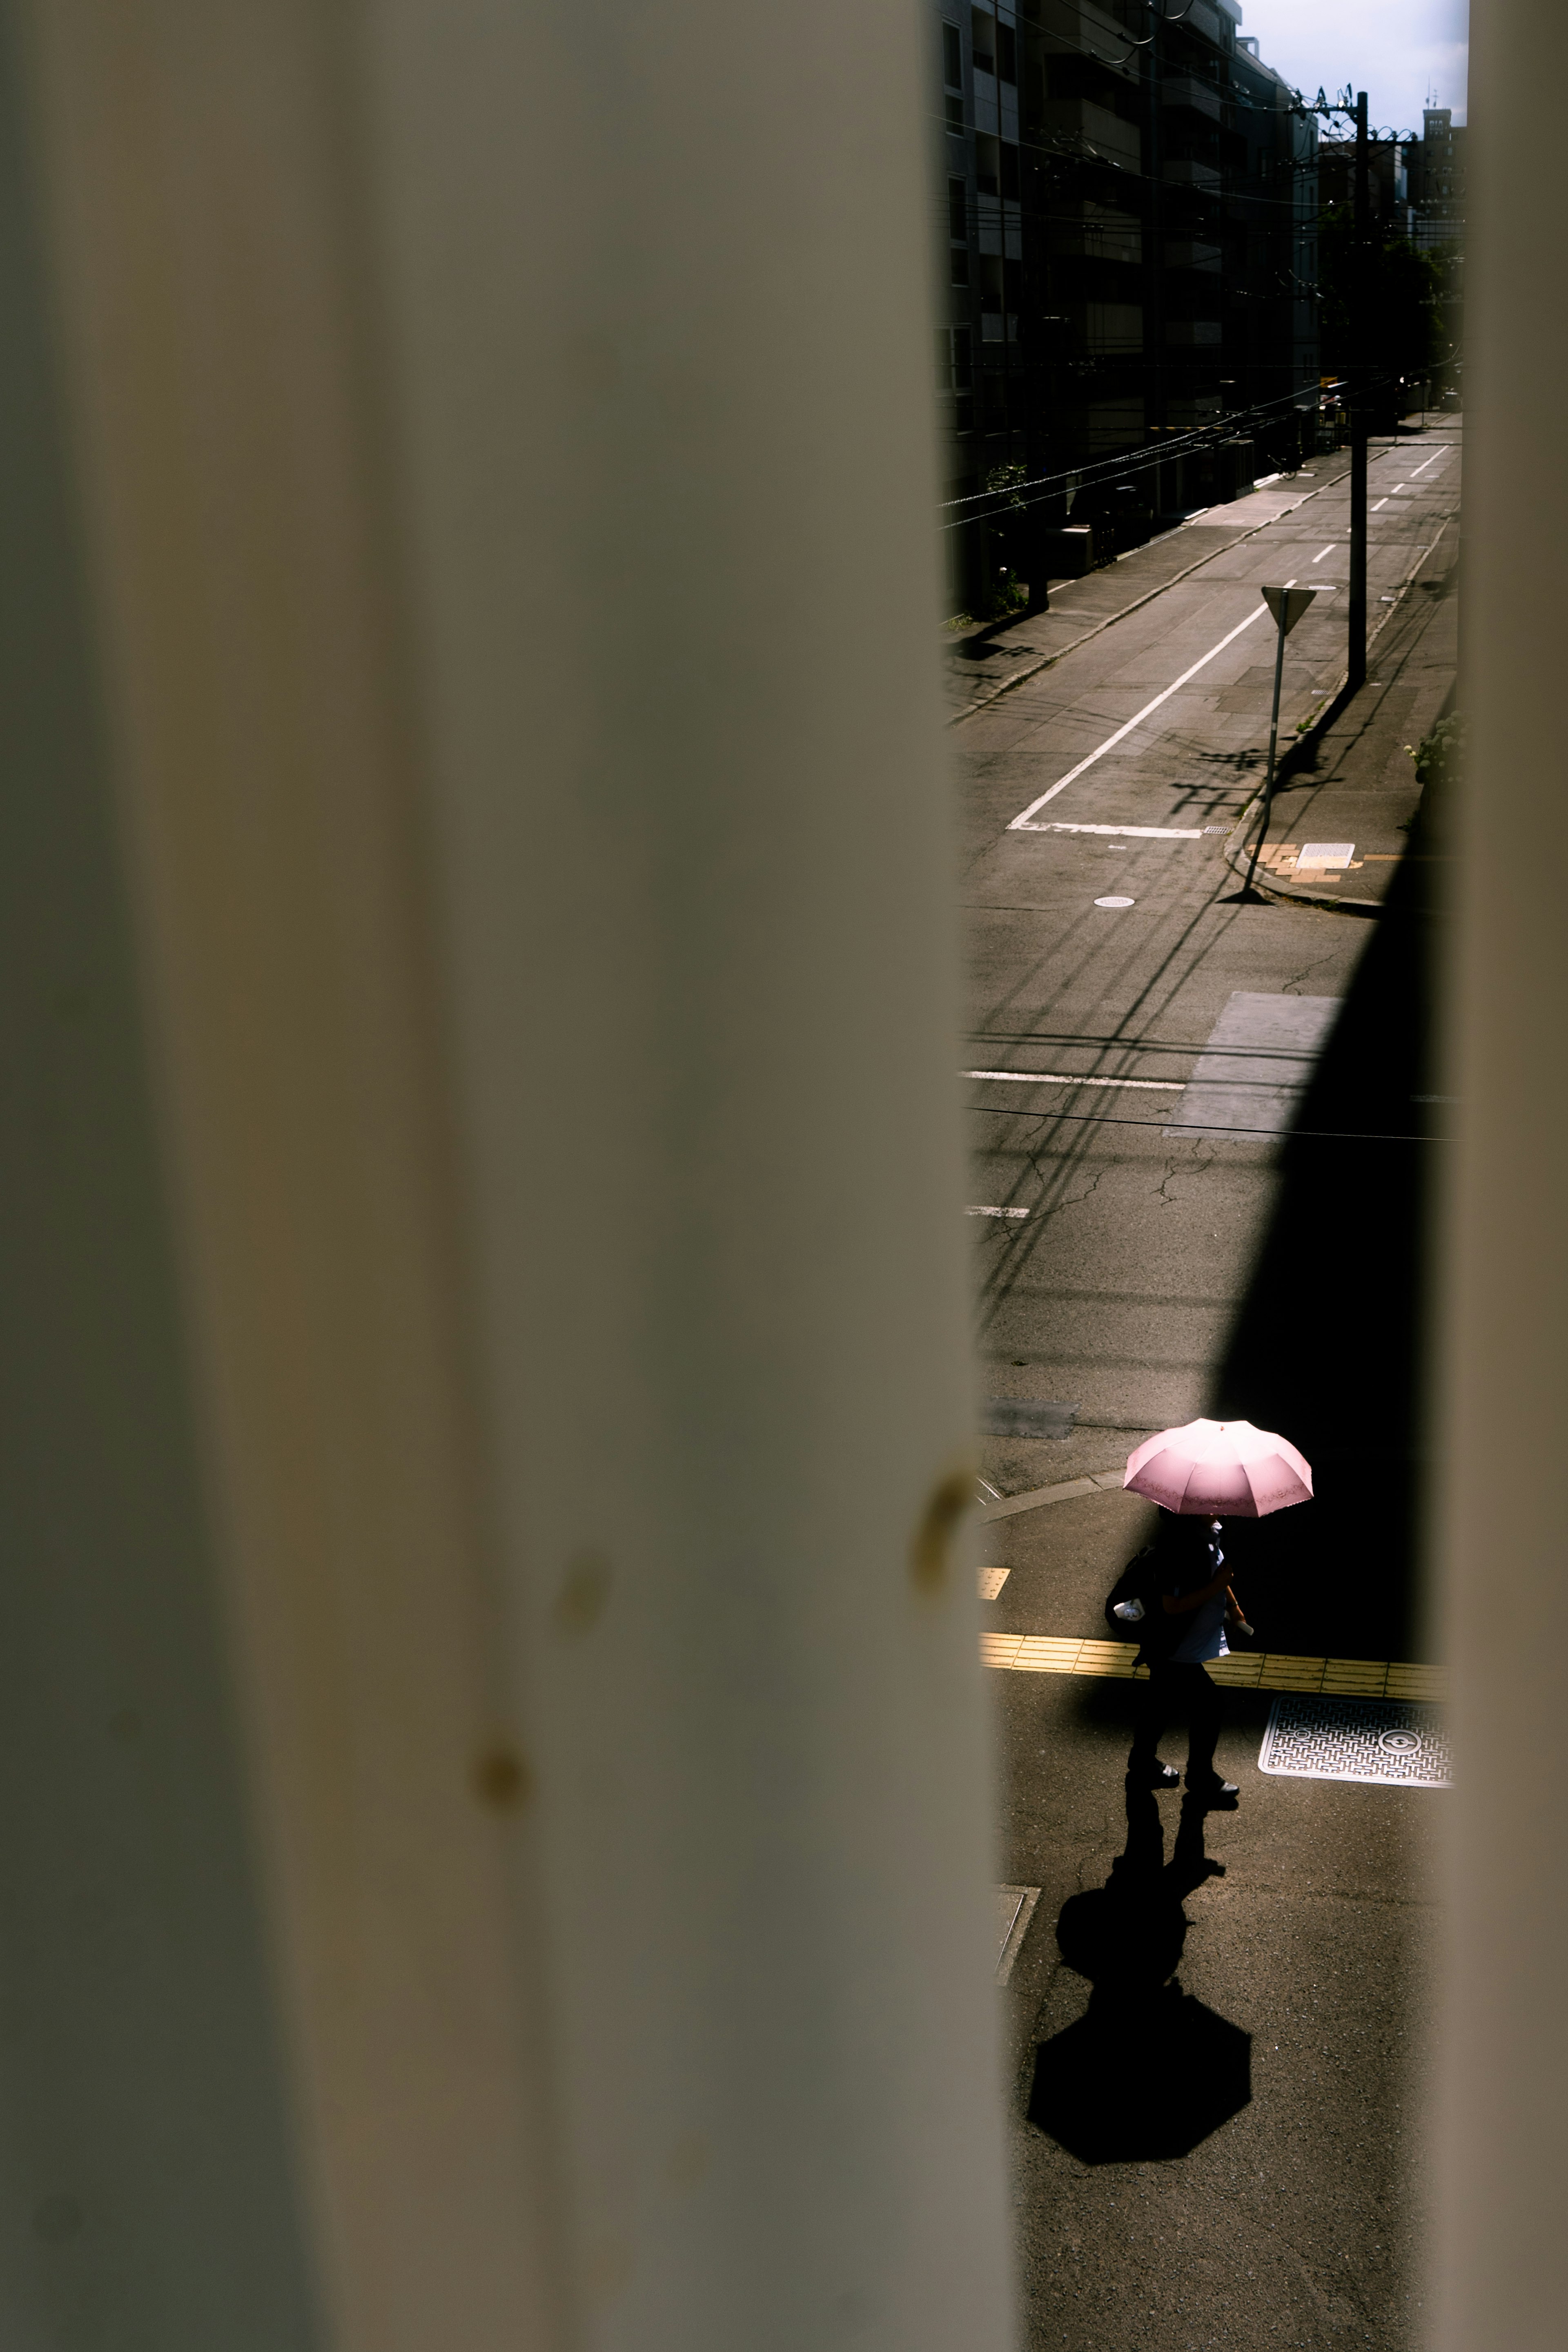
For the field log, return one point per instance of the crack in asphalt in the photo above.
(1293, 984)
(1175, 1167)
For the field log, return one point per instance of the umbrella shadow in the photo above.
(1148, 2072)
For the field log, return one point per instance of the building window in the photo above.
(982, 35)
(952, 58)
(955, 360)
(958, 213)
(1010, 169)
(958, 255)
(1006, 53)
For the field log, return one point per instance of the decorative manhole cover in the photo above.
(1391, 1741)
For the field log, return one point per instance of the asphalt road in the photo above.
(1145, 1275)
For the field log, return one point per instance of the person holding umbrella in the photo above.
(1204, 1472)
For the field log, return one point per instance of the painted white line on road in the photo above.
(1379, 502)
(1421, 469)
(1056, 1078)
(1324, 550)
(1021, 824)
(1141, 832)
(996, 1213)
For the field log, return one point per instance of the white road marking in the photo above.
(1056, 1078)
(1421, 469)
(992, 1580)
(1324, 550)
(1143, 832)
(1021, 824)
(996, 1213)
(1379, 502)
(1115, 902)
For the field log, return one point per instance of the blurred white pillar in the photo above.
(1504, 2250)
(503, 439)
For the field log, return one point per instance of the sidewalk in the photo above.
(985, 660)
(1349, 787)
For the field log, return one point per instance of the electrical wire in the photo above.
(1077, 477)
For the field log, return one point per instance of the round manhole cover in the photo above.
(1401, 1743)
(1115, 902)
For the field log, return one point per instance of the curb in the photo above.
(1284, 894)
(1048, 661)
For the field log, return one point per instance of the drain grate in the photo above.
(1387, 1740)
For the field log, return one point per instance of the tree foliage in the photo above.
(1379, 305)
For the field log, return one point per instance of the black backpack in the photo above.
(1155, 1632)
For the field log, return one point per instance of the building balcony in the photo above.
(1192, 175)
(1196, 97)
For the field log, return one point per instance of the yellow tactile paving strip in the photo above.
(1043, 1653)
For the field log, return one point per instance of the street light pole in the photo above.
(1360, 288)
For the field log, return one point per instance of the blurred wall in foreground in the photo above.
(494, 1834)
(1504, 2251)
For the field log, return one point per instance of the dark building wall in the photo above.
(1128, 250)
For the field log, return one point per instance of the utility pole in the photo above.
(1359, 372)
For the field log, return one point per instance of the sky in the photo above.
(1396, 51)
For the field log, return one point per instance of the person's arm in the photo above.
(1176, 1606)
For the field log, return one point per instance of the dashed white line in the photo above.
(1379, 502)
(1421, 469)
(1058, 1079)
(1324, 550)
(1021, 824)
(996, 1213)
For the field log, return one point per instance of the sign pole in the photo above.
(1287, 605)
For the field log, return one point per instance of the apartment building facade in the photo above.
(1128, 238)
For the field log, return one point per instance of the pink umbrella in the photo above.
(1220, 1469)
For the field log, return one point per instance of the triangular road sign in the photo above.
(1288, 604)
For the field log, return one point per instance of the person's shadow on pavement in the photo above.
(1148, 2072)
